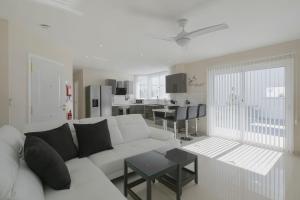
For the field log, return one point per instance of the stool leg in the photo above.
(165, 125)
(196, 127)
(186, 128)
(186, 138)
(175, 129)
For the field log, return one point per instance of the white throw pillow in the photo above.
(27, 186)
(133, 127)
(114, 131)
(11, 142)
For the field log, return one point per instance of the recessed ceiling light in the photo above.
(100, 45)
(45, 26)
(141, 54)
(86, 56)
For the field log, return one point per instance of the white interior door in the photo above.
(47, 90)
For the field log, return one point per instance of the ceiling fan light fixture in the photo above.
(183, 41)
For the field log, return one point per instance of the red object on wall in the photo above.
(69, 115)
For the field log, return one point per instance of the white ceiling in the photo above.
(125, 28)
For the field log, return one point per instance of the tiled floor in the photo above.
(232, 171)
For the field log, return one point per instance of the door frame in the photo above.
(30, 57)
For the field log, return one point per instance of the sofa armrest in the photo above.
(160, 134)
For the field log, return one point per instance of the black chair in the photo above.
(192, 113)
(158, 115)
(179, 115)
(122, 110)
(201, 113)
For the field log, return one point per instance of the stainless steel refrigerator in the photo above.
(98, 100)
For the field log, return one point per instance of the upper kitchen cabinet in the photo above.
(176, 83)
(112, 83)
(129, 87)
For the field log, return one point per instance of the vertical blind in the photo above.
(252, 102)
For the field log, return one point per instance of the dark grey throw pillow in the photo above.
(92, 138)
(46, 163)
(60, 139)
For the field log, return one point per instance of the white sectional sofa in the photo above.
(90, 177)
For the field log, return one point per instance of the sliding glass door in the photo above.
(227, 92)
(265, 102)
(252, 103)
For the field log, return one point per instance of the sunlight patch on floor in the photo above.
(252, 158)
(211, 147)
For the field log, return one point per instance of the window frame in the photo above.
(150, 93)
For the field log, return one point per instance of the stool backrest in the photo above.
(201, 110)
(181, 113)
(192, 112)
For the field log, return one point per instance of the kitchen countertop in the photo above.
(143, 104)
(136, 104)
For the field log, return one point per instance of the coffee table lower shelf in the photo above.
(133, 184)
(170, 179)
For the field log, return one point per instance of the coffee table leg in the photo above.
(149, 182)
(179, 184)
(125, 179)
(196, 170)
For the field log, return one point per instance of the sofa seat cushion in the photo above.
(88, 182)
(111, 161)
(133, 127)
(27, 186)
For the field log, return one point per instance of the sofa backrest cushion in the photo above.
(11, 142)
(27, 186)
(132, 127)
(114, 131)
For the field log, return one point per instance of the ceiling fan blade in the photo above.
(206, 30)
(168, 39)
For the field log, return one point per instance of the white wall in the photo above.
(4, 88)
(21, 44)
(98, 76)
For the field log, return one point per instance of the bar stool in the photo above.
(201, 113)
(180, 115)
(158, 115)
(124, 110)
(192, 113)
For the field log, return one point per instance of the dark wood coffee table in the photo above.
(167, 167)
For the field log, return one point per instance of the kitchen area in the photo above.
(153, 96)
(106, 93)
(117, 97)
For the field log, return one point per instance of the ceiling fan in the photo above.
(183, 38)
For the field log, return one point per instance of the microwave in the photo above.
(139, 101)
